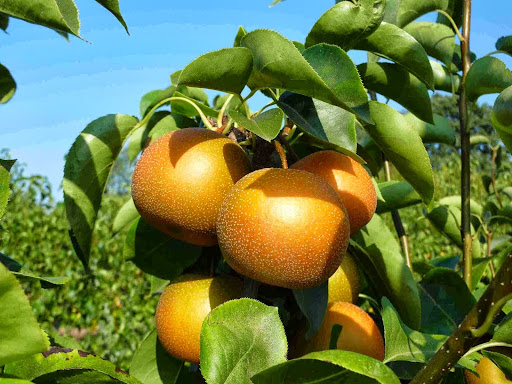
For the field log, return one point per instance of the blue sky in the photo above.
(62, 86)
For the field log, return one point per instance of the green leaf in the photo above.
(457, 59)
(46, 281)
(88, 165)
(324, 72)
(456, 201)
(4, 22)
(324, 123)
(502, 361)
(113, 7)
(164, 122)
(395, 44)
(446, 300)
(7, 85)
(333, 366)
(150, 99)
(439, 132)
(239, 35)
(5, 167)
(138, 139)
(410, 10)
(504, 44)
(447, 220)
(479, 139)
(11, 264)
(454, 9)
(126, 215)
(502, 111)
(175, 76)
(443, 79)
(20, 333)
(239, 339)
(61, 15)
(380, 254)
(4, 380)
(437, 39)
(158, 285)
(487, 75)
(225, 70)
(184, 108)
(503, 131)
(384, 78)
(404, 344)
(396, 195)
(156, 253)
(59, 362)
(152, 364)
(346, 23)
(403, 147)
(266, 125)
(313, 304)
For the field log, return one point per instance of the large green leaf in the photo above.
(447, 220)
(487, 75)
(395, 82)
(58, 363)
(266, 125)
(456, 201)
(5, 167)
(440, 132)
(396, 195)
(504, 44)
(380, 254)
(126, 215)
(156, 253)
(346, 23)
(437, 39)
(152, 364)
(325, 72)
(225, 70)
(152, 98)
(395, 44)
(324, 123)
(88, 165)
(444, 80)
(61, 15)
(454, 9)
(446, 300)
(403, 147)
(313, 304)
(334, 366)
(239, 339)
(20, 333)
(184, 108)
(410, 10)
(113, 7)
(7, 85)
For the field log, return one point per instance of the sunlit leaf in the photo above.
(7, 85)
(437, 39)
(410, 10)
(443, 79)
(266, 125)
(487, 75)
(5, 167)
(113, 7)
(440, 132)
(396, 195)
(126, 215)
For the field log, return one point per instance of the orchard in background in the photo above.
(267, 231)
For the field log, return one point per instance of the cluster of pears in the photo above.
(283, 227)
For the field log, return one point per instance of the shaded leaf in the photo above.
(113, 7)
(324, 72)
(346, 23)
(403, 147)
(239, 339)
(88, 165)
(443, 79)
(504, 44)
(184, 108)
(156, 253)
(7, 85)
(5, 167)
(380, 254)
(456, 201)
(126, 215)
(152, 364)
(333, 366)
(439, 132)
(396, 195)
(225, 70)
(502, 361)
(150, 99)
(10, 264)
(313, 304)
(4, 22)
(412, 93)
(393, 43)
(437, 39)
(61, 15)
(487, 75)
(44, 367)
(332, 126)
(266, 125)
(166, 122)
(20, 333)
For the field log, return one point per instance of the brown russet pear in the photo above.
(184, 305)
(349, 178)
(344, 285)
(283, 227)
(181, 179)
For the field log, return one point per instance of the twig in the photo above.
(281, 153)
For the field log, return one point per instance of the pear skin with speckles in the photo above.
(349, 178)
(283, 227)
(489, 374)
(345, 284)
(181, 179)
(184, 305)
